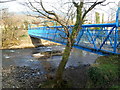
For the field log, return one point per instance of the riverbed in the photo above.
(30, 68)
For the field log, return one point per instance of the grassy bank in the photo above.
(105, 73)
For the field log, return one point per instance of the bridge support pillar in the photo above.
(36, 42)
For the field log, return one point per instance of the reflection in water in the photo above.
(23, 57)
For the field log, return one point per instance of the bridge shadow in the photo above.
(36, 42)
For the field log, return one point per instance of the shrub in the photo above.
(105, 72)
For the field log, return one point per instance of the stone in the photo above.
(38, 55)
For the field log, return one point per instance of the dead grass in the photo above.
(25, 42)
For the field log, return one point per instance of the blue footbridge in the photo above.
(103, 39)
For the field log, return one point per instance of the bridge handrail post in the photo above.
(115, 40)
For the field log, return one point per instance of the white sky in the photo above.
(16, 7)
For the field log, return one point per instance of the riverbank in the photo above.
(24, 41)
(32, 67)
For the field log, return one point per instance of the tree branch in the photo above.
(39, 11)
(57, 19)
(92, 6)
(75, 4)
(49, 12)
(62, 36)
(7, 1)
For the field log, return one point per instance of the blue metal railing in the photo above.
(102, 38)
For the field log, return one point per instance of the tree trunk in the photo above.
(62, 64)
(70, 43)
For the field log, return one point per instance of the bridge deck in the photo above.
(54, 37)
(96, 38)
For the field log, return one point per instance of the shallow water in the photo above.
(23, 57)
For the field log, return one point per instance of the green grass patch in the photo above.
(113, 59)
(105, 72)
(116, 86)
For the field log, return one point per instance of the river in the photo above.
(23, 57)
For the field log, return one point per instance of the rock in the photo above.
(7, 57)
(38, 73)
(50, 76)
(86, 65)
(12, 51)
(47, 54)
(38, 55)
(52, 53)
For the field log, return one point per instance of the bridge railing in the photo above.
(97, 37)
(100, 37)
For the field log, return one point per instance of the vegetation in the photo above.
(97, 17)
(9, 30)
(105, 73)
(26, 23)
(11, 27)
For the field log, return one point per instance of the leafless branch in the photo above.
(49, 12)
(91, 7)
(107, 3)
(62, 36)
(7, 1)
(75, 4)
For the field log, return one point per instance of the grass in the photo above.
(106, 72)
(115, 87)
(113, 59)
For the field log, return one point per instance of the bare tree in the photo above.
(10, 29)
(5, 1)
(76, 9)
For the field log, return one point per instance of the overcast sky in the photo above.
(16, 7)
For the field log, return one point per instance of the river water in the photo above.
(23, 57)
